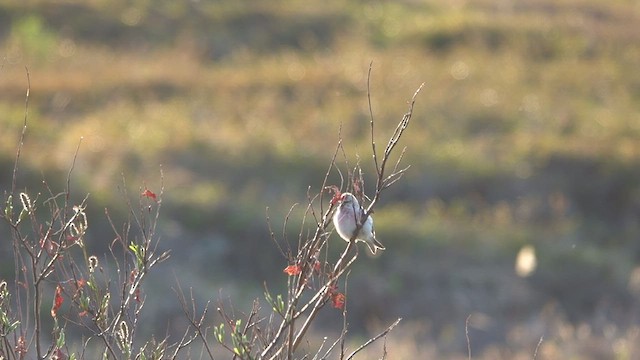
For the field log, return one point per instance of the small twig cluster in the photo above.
(53, 254)
(314, 279)
(102, 298)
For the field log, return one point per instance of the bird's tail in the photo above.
(374, 245)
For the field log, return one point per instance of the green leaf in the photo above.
(218, 333)
(22, 216)
(280, 303)
(8, 209)
(61, 339)
(6, 322)
(138, 251)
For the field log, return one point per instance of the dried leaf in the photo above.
(57, 302)
(336, 194)
(338, 300)
(292, 270)
(149, 194)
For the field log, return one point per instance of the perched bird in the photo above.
(347, 217)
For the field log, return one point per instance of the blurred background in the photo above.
(521, 207)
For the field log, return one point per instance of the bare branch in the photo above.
(466, 334)
(22, 134)
(344, 331)
(332, 164)
(535, 353)
(190, 315)
(373, 141)
(373, 339)
(393, 141)
(73, 164)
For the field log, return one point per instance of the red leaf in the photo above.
(356, 187)
(57, 302)
(150, 194)
(132, 279)
(333, 289)
(51, 247)
(59, 355)
(337, 300)
(336, 194)
(71, 239)
(81, 283)
(292, 270)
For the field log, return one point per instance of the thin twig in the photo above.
(466, 334)
(344, 318)
(73, 164)
(373, 142)
(272, 234)
(393, 141)
(535, 353)
(370, 341)
(190, 315)
(338, 271)
(22, 134)
(331, 166)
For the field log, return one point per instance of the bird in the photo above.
(347, 218)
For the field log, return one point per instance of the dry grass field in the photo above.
(526, 134)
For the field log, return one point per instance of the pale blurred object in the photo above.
(634, 281)
(526, 261)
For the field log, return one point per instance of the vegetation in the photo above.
(526, 134)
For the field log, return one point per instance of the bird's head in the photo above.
(348, 199)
